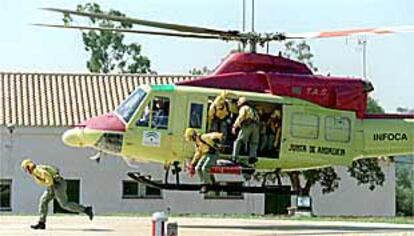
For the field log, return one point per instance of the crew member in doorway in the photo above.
(274, 128)
(262, 130)
(248, 124)
(219, 115)
(206, 153)
(48, 176)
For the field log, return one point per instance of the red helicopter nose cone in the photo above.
(106, 122)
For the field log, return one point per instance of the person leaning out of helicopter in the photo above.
(206, 153)
(248, 124)
(48, 176)
(219, 115)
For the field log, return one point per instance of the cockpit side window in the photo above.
(144, 120)
(155, 114)
(160, 112)
(128, 107)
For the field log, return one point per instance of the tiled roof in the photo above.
(57, 100)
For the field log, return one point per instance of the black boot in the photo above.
(89, 212)
(39, 225)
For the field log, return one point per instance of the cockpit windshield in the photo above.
(130, 104)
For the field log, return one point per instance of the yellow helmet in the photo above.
(223, 94)
(27, 163)
(241, 101)
(189, 134)
(275, 114)
(219, 100)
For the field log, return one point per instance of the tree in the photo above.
(108, 51)
(405, 187)
(202, 71)
(300, 51)
(405, 179)
(366, 171)
(373, 106)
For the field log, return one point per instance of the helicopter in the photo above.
(323, 119)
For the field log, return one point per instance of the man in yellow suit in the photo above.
(274, 125)
(249, 130)
(219, 115)
(206, 153)
(47, 175)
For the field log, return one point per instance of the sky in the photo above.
(26, 48)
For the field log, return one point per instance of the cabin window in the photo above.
(196, 116)
(130, 104)
(132, 189)
(5, 194)
(305, 126)
(337, 129)
(156, 114)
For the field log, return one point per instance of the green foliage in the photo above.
(300, 51)
(108, 52)
(327, 178)
(367, 171)
(202, 71)
(405, 110)
(405, 187)
(373, 106)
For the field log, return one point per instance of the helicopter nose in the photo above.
(88, 133)
(81, 137)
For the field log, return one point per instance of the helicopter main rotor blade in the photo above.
(156, 24)
(136, 31)
(351, 32)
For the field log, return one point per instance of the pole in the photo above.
(363, 43)
(252, 15)
(244, 15)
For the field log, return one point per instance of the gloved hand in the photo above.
(190, 170)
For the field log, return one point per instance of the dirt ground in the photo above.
(121, 225)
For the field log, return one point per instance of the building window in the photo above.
(305, 126)
(337, 129)
(225, 195)
(5, 194)
(72, 193)
(196, 116)
(132, 189)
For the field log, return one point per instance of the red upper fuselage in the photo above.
(284, 77)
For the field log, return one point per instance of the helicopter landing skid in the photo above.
(214, 187)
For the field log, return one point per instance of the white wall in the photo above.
(353, 200)
(101, 184)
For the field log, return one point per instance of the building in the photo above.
(35, 109)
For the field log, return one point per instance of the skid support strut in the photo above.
(215, 187)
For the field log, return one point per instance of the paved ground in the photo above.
(80, 226)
